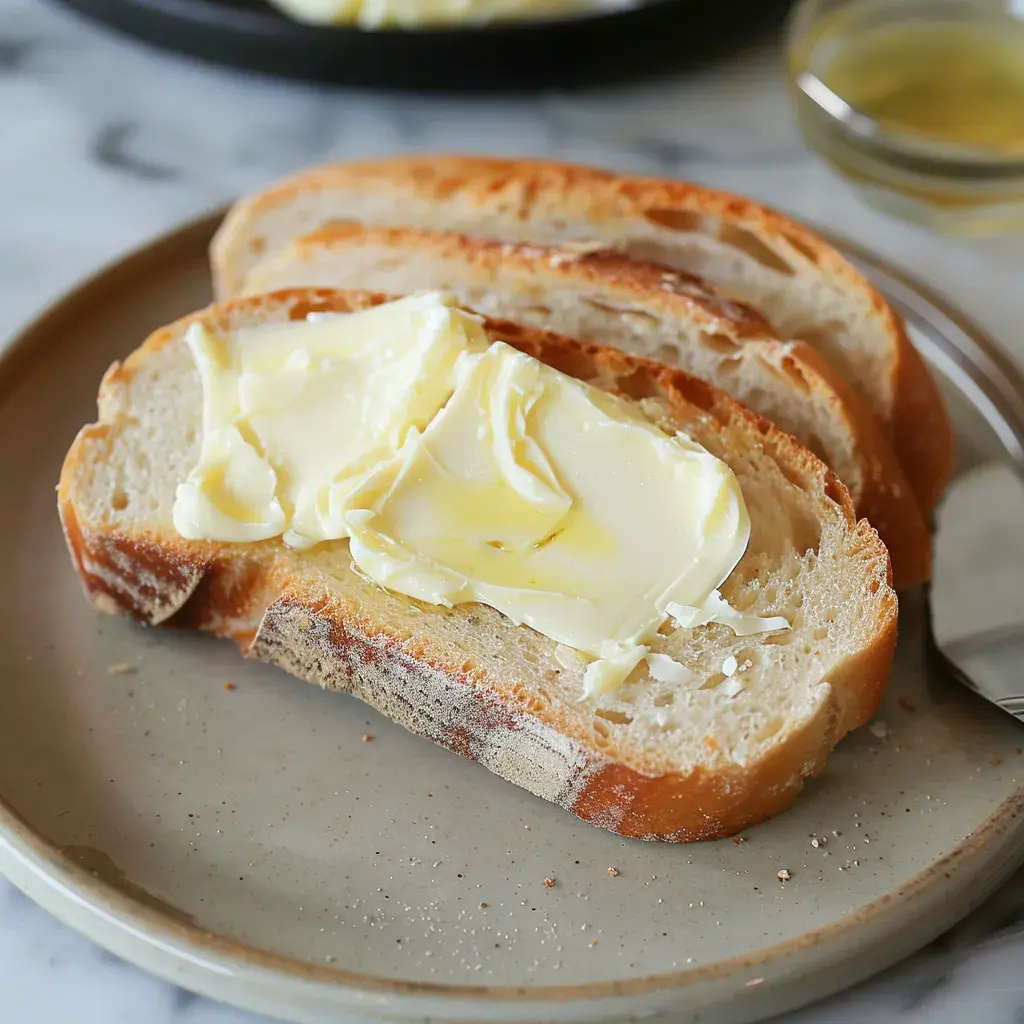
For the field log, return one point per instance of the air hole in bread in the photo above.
(801, 246)
(712, 681)
(747, 654)
(675, 220)
(795, 474)
(444, 188)
(530, 657)
(639, 385)
(782, 639)
(794, 371)
(141, 461)
(788, 370)
(730, 365)
(543, 312)
(749, 243)
(816, 337)
(119, 502)
(664, 700)
(637, 317)
(639, 320)
(535, 702)
(820, 633)
(699, 394)
(613, 716)
(258, 245)
(668, 354)
(835, 490)
(720, 343)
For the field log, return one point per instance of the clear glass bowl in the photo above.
(919, 103)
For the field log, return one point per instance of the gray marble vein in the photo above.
(105, 144)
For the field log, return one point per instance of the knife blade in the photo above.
(977, 591)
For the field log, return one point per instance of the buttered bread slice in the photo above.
(748, 625)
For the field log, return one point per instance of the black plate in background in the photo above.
(586, 49)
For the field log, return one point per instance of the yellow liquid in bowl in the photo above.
(945, 80)
(951, 81)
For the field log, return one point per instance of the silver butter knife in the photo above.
(977, 591)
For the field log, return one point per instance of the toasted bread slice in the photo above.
(651, 760)
(805, 288)
(645, 310)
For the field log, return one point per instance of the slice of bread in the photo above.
(646, 310)
(652, 760)
(805, 288)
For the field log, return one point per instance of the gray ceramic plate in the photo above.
(249, 843)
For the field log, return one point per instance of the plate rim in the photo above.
(23, 848)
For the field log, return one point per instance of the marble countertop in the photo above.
(106, 143)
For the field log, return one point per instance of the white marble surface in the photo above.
(105, 144)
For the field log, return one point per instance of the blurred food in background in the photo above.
(451, 45)
(378, 14)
